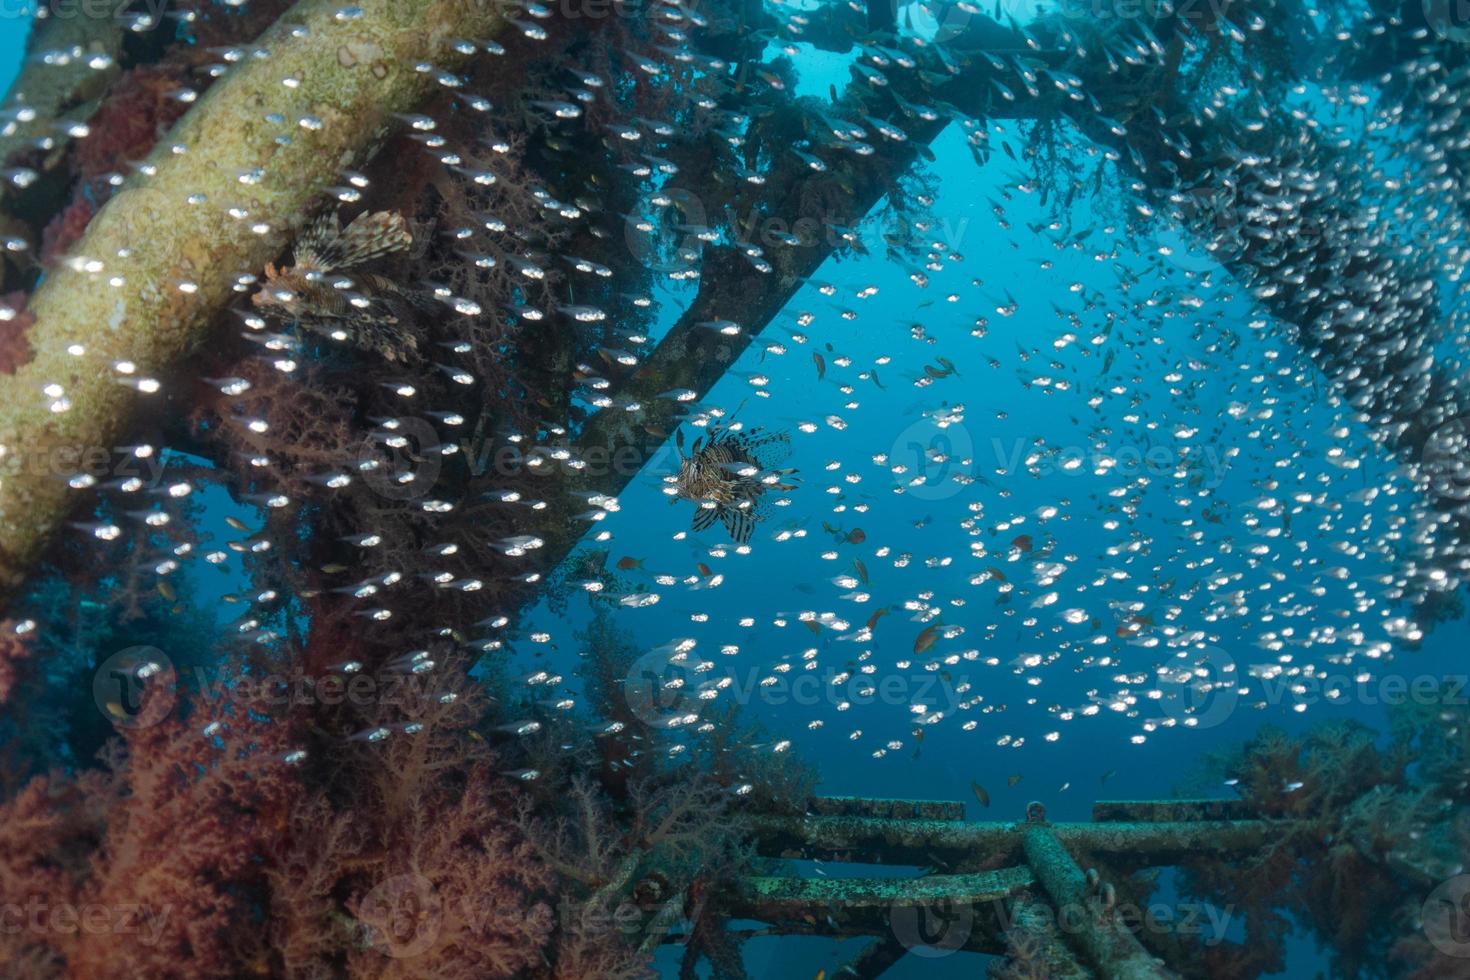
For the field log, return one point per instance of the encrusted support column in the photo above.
(1085, 914)
(216, 200)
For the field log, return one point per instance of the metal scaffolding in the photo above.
(1011, 881)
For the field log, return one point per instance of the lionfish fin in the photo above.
(766, 448)
(704, 517)
(739, 522)
(326, 246)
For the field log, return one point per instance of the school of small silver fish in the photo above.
(1293, 359)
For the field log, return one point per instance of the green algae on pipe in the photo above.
(222, 192)
(1115, 952)
(773, 897)
(890, 809)
(913, 841)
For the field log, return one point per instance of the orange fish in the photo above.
(704, 569)
(873, 619)
(856, 536)
(926, 639)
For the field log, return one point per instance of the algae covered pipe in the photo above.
(215, 201)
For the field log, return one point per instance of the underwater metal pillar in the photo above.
(1086, 916)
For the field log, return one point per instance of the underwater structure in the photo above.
(308, 248)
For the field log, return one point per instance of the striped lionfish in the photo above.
(728, 474)
(316, 292)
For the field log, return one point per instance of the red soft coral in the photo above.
(138, 109)
(47, 833)
(183, 850)
(13, 650)
(62, 231)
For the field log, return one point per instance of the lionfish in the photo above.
(728, 474)
(316, 292)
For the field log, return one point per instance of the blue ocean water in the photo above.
(1001, 413)
(944, 465)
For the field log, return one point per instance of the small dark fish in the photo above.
(821, 364)
(926, 638)
(628, 563)
(1013, 779)
(1023, 542)
(981, 794)
(856, 536)
(861, 569)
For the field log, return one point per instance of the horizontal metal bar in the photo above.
(789, 896)
(895, 809)
(1161, 811)
(927, 842)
